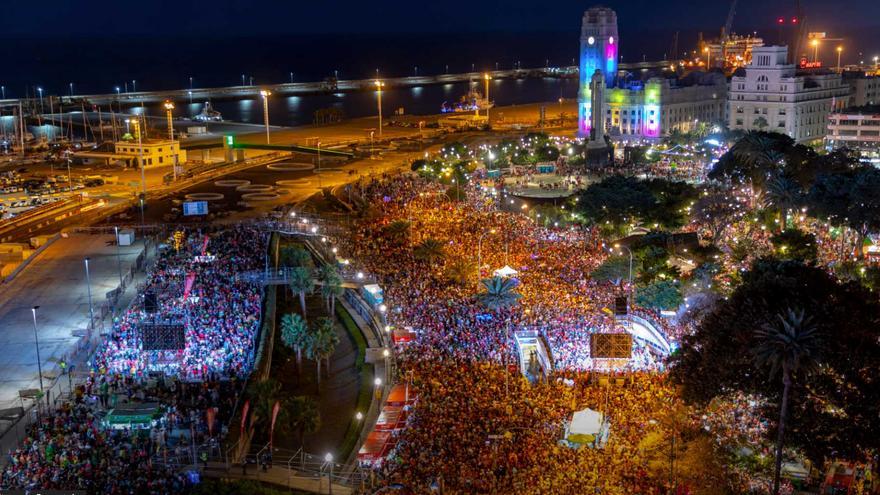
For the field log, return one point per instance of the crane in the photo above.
(725, 32)
(799, 32)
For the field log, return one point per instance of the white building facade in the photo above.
(773, 97)
(855, 128)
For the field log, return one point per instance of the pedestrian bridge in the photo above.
(534, 358)
(282, 277)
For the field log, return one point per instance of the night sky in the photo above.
(249, 17)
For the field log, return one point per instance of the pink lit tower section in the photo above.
(599, 44)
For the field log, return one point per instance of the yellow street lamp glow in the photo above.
(265, 93)
(168, 105)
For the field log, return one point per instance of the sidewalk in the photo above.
(277, 475)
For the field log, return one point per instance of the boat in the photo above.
(209, 114)
(471, 102)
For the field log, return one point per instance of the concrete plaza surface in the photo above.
(56, 282)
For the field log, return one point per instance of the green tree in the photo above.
(795, 244)
(717, 358)
(716, 211)
(461, 270)
(616, 200)
(499, 294)
(295, 334)
(430, 250)
(398, 230)
(295, 256)
(331, 286)
(660, 295)
(614, 269)
(300, 281)
(783, 194)
(322, 343)
(304, 415)
(790, 345)
(263, 396)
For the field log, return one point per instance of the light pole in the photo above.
(815, 50)
(480, 252)
(708, 58)
(137, 130)
(839, 51)
(328, 458)
(89, 288)
(630, 265)
(379, 85)
(133, 86)
(3, 88)
(387, 355)
(37, 344)
(169, 106)
(71, 90)
(242, 79)
(69, 178)
(291, 78)
(265, 94)
(190, 82)
(487, 78)
(118, 255)
(40, 90)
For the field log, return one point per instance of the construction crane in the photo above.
(725, 31)
(799, 32)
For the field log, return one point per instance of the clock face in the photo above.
(591, 40)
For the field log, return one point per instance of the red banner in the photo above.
(190, 279)
(244, 411)
(205, 245)
(210, 415)
(275, 409)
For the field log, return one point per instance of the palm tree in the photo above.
(300, 281)
(398, 229)
(295, 334)
(461, 270)
(499, 293)
(429, 250)
(331, 285)
(761, 155)
(322, 343)
(304, 415)
(784, 194)
(790, 345)
(295, 256)
(263, 395)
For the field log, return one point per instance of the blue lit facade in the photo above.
(599, 42)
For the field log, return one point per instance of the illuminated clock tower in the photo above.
(599, 44)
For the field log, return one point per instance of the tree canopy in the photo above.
(835, 410)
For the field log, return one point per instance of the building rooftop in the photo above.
(862, 110)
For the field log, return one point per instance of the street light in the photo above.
(815, 44)
(708, 58)
(37, 344)
(839, 51)
(487, 78)
(169, 106)
(118, 255)
(379, 85)
(40, 90)
(265, 94)
(328, 458)
(618, 246)
(89, 288)
(480, 251)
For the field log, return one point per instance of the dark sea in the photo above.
(99, 64)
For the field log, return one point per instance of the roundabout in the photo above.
(205, 196)
(254, 188)
(232, 183)
(290, 167)
(260, 196)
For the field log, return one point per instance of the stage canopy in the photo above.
(505, 272)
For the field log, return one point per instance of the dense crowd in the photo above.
(479, 426)
(189, 394)
(220, 312)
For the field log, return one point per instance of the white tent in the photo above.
(505, 272)
(587, 428)
(586, 422)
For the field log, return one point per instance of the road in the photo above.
(56, 281)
